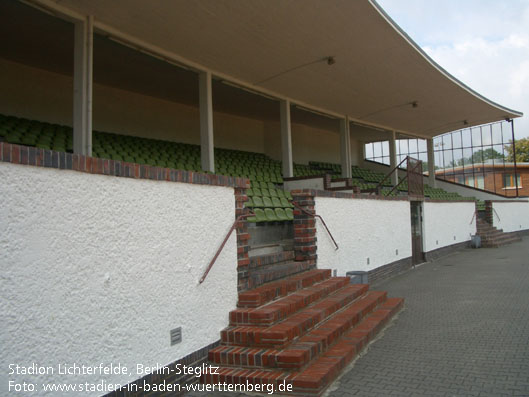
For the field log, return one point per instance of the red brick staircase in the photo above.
(492, 237)
(302, 330)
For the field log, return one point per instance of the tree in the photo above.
(522, 151)
(479, 157)
(484, 155)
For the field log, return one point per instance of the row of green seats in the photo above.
(265, 202)
(266, 192)
(263, 185)
(271, 215)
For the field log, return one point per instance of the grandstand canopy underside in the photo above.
(282, 51)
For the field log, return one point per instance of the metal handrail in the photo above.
(494, 209)
(322, 221)
(388, 175)
(475, 215)
(419, 164)
(239, 218)
(398, 184)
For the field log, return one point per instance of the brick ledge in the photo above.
(32, 156)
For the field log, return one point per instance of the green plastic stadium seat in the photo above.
(273, 193)
(265, 192)
(259, 216)
(285, 203)
(249, 192)
(290, 213)
(276, 202)
(249, 203)
(258, 201)
(271, 215)
(267, 201)
(281, 215)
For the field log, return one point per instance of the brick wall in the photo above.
(305, 245)
(243, 238)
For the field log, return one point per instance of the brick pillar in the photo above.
(243, 237)
(305, 244)
(488, 212)
(327, 181)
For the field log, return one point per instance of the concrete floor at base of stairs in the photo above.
(464, 331)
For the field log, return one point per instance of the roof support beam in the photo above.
(393, 158)
(286, 139)
(82, 86)
(345, 147)
(207, 154)
(431, 162)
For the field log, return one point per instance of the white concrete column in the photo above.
(82, 86)
(286, 139)
(431, 163)
(360, 154)
(207, 154)
(393, 158)
(345, 147)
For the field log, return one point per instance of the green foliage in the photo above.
(478, 157)
(522, 151)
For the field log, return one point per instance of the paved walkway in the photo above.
(464, 331)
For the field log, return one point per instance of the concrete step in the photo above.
(257, 261)
(277, 271)
(269, 249)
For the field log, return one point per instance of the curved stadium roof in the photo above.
(281, 48)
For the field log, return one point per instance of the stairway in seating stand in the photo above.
(302, 330)
(492, 237)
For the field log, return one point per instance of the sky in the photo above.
(483, 43)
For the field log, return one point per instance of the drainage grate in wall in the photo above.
(176, 336)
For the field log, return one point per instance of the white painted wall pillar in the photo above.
(345, 147)
(393, 158)
(360, 154)
(286, 139)
(431, 163)
(82, 86)
(207, 154)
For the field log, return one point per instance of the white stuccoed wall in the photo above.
(98, 269)
(443, 221)
(363, 229)
(511, 216)
(316, 183)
